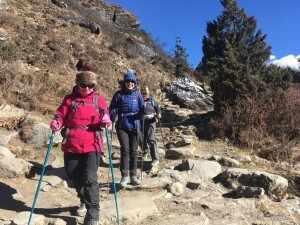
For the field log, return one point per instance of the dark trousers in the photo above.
(82, 170)
(150, 145)
(129, 144)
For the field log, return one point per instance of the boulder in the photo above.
(271, 183)
(187, 93)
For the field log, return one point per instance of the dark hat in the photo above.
(86, 77)
(129, 75)
(84, 66)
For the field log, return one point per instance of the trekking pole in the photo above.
(142, 165)
(161, 133)
(112, 172)
(42, 174)
(112, 131)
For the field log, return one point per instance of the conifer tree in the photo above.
(234, 53)
(276, 77)
(180, 58)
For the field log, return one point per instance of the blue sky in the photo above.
(167, 19)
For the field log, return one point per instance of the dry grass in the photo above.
(38, 61)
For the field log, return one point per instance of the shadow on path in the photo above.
(7, 202)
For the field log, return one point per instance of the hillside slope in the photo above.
(43, 40)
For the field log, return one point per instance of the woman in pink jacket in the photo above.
(82, 114)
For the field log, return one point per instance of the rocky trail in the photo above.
(197, 182)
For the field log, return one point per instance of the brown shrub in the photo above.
(9, 51)
(7, 20)
(261, 121)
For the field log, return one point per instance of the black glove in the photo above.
(113, 117)
(140, 114)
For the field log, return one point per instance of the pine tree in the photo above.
(234, 53)
(276, 77)
(180, 58)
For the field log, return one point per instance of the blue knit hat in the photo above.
(129, 76)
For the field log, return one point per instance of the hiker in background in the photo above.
(82, 114)
(127, 105)
(152, 114)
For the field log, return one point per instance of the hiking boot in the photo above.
(134, 180)
(124, 182)
(155, 162)
(81, 211)
(91, 222)
(145, 156)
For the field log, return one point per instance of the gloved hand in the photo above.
(106, 120)
(55, 125)
(157, 117)
(113, 117)
(113, 114)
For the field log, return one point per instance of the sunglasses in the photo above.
(90, 86)
(129, 81)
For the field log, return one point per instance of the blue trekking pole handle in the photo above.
(41, 177)
(112, 172)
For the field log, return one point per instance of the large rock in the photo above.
(125, 19)
(6, 136)
(37, 133)
(134, 208)
(187, 93)
(12, 166)
(36, 219)
(179, 153)
(3, 5)
(10, 116)
(202, 168)
(271, 183)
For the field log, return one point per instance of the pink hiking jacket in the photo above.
(83, 122)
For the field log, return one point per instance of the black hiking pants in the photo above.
(82, 170)
(129, 144)
(150, 145)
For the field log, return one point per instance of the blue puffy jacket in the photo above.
(128, 105)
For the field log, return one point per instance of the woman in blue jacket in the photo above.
(127, 105)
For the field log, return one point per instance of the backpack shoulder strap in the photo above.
(72, 106)
(152, 100)
(95, 103)
(137, 97)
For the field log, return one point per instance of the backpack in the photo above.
(149, 109)
(74, 105)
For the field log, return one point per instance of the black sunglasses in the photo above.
(90, 86)
(129, 81)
